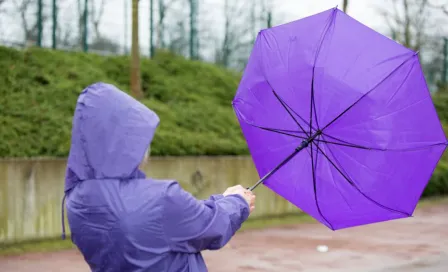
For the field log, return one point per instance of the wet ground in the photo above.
(418, 244)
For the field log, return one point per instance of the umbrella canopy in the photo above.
(339, 120)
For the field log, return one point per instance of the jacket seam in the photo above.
(167, 240)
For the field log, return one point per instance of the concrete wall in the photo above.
(31, 190)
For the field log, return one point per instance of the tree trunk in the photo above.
(161, 25)
(345, 5)
(136, 88)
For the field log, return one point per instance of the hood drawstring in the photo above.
(63, 217)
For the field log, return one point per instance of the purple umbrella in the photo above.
(339, 120)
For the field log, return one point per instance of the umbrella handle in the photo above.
(292, 155)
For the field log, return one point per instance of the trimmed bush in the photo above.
(39, 88)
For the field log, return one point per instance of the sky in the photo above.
(284, 11)
(116, 20)
(117, 16)
(362, 10)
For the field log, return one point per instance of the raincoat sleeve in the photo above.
(193, 225)
(214, 197)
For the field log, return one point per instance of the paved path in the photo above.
(418, 244)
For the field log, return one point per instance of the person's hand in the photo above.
(246, 194)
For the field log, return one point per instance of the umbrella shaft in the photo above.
(292, 155)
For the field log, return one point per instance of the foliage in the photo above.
(39, 88)
(439, 180)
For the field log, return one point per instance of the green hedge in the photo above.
(39, 87)
(438, 185)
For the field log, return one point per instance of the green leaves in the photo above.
(39, 88)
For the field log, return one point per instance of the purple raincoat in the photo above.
(120, 220)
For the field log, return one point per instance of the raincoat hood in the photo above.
(110, 135)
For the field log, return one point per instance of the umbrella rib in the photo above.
(276, 130)
(301, 118)
(336, 139)
(283, 133)
(280, 131)
(346, 144)
(287, 107)
(313, 104)
(313, 170)
(292, 110)
(416, 148)
(324, 34)
(368, 92)
(357, 188)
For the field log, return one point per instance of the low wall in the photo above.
(31, 190)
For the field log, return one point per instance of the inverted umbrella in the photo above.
(339, 120)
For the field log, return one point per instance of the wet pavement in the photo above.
(418, 244)
(434, 264)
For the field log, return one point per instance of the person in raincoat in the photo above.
(119, 219)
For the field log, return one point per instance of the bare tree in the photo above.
(345, 5)
(29, 28)
(96, 14)
(408, 22)
(100, 42)
(441, 7)
(415, 24)
(66, 35)
(164, 7)
(179, 43)
(136, 86)
(440, 14)
(80, 22)
(238, 39)
(1, 4)
(229, 38)
(1, 11)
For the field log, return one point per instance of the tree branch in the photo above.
(444, 7)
